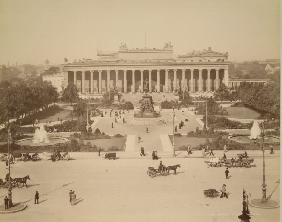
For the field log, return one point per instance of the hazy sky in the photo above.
(34, 30)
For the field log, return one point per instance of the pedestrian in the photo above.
(225, 148)
(211, 152)
(36, 197)
(112, 125)
(223, 191)
(6, 202)
(70, 195)
(99, 151)
(227, 173)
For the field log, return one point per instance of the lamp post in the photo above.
(9, 168)
(87, 121)
(206, 114)
(173, 131)
(264, 202)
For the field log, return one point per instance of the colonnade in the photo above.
(192, 80)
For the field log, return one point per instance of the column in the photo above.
(124, 82)
(174, 79)
(74, 78)
(108, 80)
(166, 80)
(226, 77)
(116, 71)
(83, 81)
(100, 81)
(158, 81)
(209, 80)
(183, 79)
(133, 80)
(200, 80)
(216, 79)
(192, 80)
(91, 82)
(142, 81)
(150, 80)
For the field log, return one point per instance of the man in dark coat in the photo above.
(227, 173)
(6, 202)
(36, 197)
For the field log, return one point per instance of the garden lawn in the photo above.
(242, 113)
(63, 114)
(180, 141)
(115, 143)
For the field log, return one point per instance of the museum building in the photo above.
(149, 69)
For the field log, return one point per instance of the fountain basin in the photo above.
(52, 140)
(244, 139)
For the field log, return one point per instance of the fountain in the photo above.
(255, 131)
(40, 135)
(41, 138)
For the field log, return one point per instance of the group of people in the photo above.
(8, 201)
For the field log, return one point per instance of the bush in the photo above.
(224, 123)
(169, 104)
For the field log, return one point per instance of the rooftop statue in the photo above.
(168, 45)
(123, 45)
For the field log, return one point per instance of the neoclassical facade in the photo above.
(150, 69)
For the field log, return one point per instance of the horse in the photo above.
(174, 167)
(21, 180)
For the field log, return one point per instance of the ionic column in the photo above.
(83, 82)
(158, 81)
(91, 82)
(100, 81)
(216, 79)
(133, 80)
(142, 81)
(174, 79)
(200, 80)
(108, 80)
(150, 80)
(124, 81)
(209, 80)
(226, 77)
(192, 80)
(116, 79)
(74, 78)
(166, 80)
(183, 78)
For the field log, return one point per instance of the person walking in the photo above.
(70, 195)
(211, 153)
(6, 202)
(227, 173)
(223, 191)
(36, 197)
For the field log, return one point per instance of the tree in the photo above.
(222, 93)
(70, 94)
(185, 98)
(80, 109)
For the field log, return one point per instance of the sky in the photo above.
(32, 31)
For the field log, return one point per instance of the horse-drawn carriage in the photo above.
(162, 171)
(242, 161)
(111, 156)
(15, 182)
(58, 156)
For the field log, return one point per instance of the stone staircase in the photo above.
(166, 144)
(130, 144)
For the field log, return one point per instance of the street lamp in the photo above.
(9, 168)
(173, 132)
(264, 202)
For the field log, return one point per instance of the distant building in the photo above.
(272, 68)
(56, 79)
